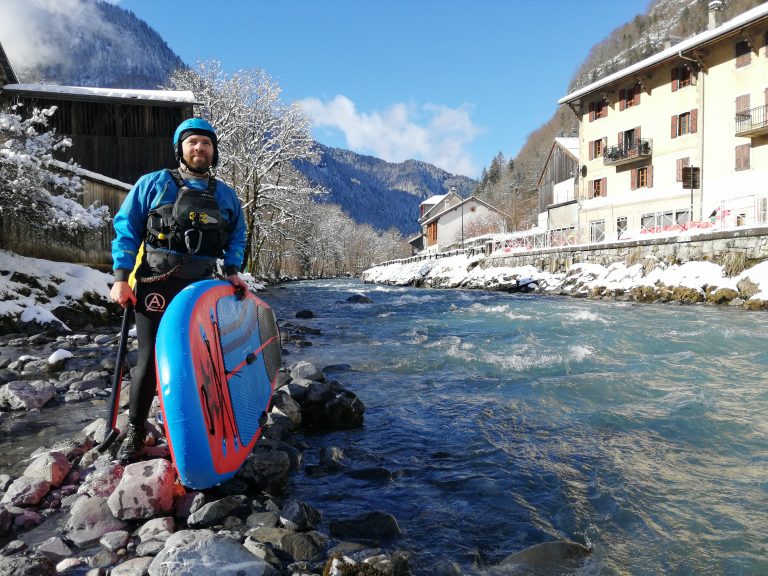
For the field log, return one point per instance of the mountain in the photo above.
(382, 194)
(102, 46)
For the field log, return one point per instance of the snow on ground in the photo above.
(704, 278)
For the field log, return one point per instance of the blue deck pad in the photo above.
(239, 337)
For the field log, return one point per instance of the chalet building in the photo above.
(680, 139)
(448, 220)
(557, 190)
(117, 135)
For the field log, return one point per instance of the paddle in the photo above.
(117, 381)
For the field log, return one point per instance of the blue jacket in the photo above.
(158, 188)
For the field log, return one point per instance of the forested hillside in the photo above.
(382, 194)
(510, 184)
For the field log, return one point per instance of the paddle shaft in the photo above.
(117, 381)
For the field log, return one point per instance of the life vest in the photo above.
(186, 237)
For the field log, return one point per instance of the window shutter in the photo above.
(745, 156)
(622, 99)
(675, 81)
(591, 111)
(674, 126)
(694, 120)
(742, 103)
(633, 181)
(636, 95)
(591, 150)
(650, 176)
(679, 170)
(604, 186)
(637, 133)
(591, 190)
(766, 90)
(621, 140)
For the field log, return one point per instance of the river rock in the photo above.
(54, 549)
(133, 567)
(52, 466)
(215, 512)
(287, 406)
(26, 491)
(299, 516)
(145, 490)
(304, 545)
(188, 503)
(306, 370)
(305, 314)
(157, 529)
(26, 518)
(359, 299)
(90, 519)
(103, 480)
(36, 565)
(376, 525)
(26, 395)
(6, 520)
(191, 553)
(266, 469)
(115, 540)
(545, 558)
(266, 519)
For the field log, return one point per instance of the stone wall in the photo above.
(747, 247)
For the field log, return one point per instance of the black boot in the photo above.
(133, 444)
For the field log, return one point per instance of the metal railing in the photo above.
(752, 122)
(640, 149)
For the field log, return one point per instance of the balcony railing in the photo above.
(640, 149)
(752, 122)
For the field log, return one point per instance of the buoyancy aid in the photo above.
(187, 236)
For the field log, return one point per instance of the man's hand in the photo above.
(122, 294)
(237, 282)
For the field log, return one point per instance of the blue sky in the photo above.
(451, 82)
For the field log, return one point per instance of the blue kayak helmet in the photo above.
(195, 126)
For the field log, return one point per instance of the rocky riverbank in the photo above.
(647, 280)
(137, 519)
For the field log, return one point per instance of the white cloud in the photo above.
(433, 133)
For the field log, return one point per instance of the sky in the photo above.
(450, 82)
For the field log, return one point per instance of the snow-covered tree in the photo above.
(34, 186)
(259, 138)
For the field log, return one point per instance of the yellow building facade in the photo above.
(679, 140)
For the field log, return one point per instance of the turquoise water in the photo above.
(510, 420)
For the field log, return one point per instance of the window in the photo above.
(597, 231)
(627, 141)
(596, 148)
(432, 234)
(598, 110)
(621, 226)
(629, 97)
(682, 163)
(685, 123)
(598, 188)
(742, 157)
(743, 53)
(682, 77)
(642, 177)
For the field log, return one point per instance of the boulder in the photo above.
(26, 395)
(146, 490)
(191, 553)
(55, 549)
(299, 516)
(51, 466)
(36, 565)
(266, 469)
(90, 519)
(373, 526)
(26, 491)
(215, 512)
(133, 567)
(307, 371)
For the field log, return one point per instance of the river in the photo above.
(509, 420)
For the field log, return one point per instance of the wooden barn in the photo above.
(556, 186)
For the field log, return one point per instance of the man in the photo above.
(170, 230)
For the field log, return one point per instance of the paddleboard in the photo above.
(217, 354)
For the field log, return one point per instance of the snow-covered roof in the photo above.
(465, 201)
(72, 92)
(95, 176)
(570, 144)
(6, 70)
(434, 199)
(706, 37)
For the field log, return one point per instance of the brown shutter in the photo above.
(674, 126)
(633, 181)
(694, 120)
(591, 150)
(636, 95)
(650, 176)
(675, 81)
(604, 186)
(622, 99)
(742, 103)
(679, 177)
(766, 90)
(621, 139)
(591, 189)
(745, 156)
(637, 133)
(591, 111)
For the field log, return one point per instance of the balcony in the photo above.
(751, 123)
(640, 149)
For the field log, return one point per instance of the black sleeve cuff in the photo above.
(122, 274)
(230, 270)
